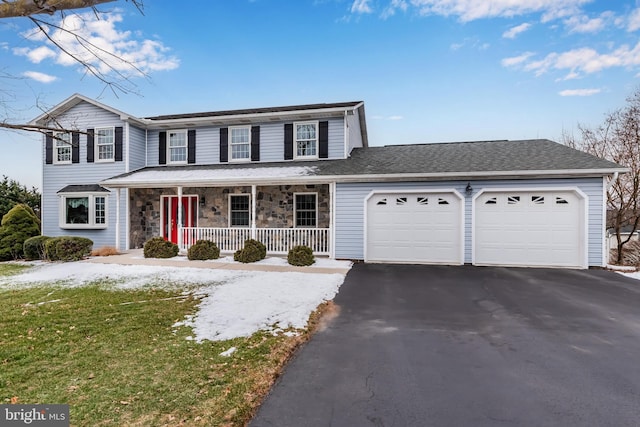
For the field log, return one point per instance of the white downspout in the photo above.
(613, 179)
(346, 135)
(332, 225)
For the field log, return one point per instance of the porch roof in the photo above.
(445, 161)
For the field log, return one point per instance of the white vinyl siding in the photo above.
(84, 116)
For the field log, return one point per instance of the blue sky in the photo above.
(428, 70)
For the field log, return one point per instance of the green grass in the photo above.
(115, 358)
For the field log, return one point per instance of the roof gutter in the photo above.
(401, 177)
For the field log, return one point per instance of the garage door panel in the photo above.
(543, 228)
(421, 228)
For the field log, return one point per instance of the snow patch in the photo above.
(229, 352)
(234, 303)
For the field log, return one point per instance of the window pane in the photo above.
(306, 214)
(63, 147)
(239, 211)
(105, 141)
(306, 131)
(100, 210)
(306, 141)
(77, 210)
(240, 151)
(177, 139)
(178, 154)
(239, 135)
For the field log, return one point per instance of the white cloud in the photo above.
(584, 24)
(395, 5)
(579, 92)
(39, 77)
(634, 20)
(97, 41)
(578, 61)
(516, 60)
(470, 10)
(513, 32)
(361, 6)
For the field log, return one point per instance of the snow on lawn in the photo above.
(271, 260)
(234, 303)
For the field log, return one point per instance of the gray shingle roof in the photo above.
(425, 161)
(255, 111)
(486, 156)
(88, 188)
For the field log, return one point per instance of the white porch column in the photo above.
(332, 220)
(179, 224)
(118, 219)
(253, 211)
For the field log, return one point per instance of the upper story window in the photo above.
(240, 143)
(62, 151)
(83, 210)
(177, 146)
(105, 144)
(305, 140)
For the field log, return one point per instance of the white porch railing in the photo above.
(277, 240)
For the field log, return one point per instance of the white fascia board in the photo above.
(74, 100)
(252, 117)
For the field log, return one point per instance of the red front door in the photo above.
(170, 208)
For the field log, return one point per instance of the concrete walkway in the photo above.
(136, 257)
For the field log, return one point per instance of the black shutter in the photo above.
(75, 147)
(48, 148)
(191, 146)
(118, 144)
(288, 141)
(162, 151)
(90, 145)
(255, 143)
(323, 140)
(224, 145)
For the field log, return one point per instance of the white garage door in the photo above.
(414, 228)
(542, 228)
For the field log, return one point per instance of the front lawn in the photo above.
(115, 357)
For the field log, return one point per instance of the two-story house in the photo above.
(305, 174)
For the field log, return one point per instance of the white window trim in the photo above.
(295, 139)
(230, 139)
(186, 147)
(55, 149)
(295, 209)
(229, 210)
(92, 211)
(96, 151)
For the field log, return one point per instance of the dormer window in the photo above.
(62, 152)
(177, 147)
(306, 140)
(240, 143)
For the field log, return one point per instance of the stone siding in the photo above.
(274, 207)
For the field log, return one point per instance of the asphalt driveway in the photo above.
(469, 346)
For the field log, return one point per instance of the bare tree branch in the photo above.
(21, 8)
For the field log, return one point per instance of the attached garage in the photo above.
(415, 227)
(530, 228)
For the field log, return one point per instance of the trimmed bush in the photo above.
(67, 248)
(157, 247)
(34, 247)
(19, 224)
(300, 256)
(262, 249)
(203, 250)
(253, 251)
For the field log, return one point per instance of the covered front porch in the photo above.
(280, 216)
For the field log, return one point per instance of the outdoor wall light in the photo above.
(469, 189)
(203, 202)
